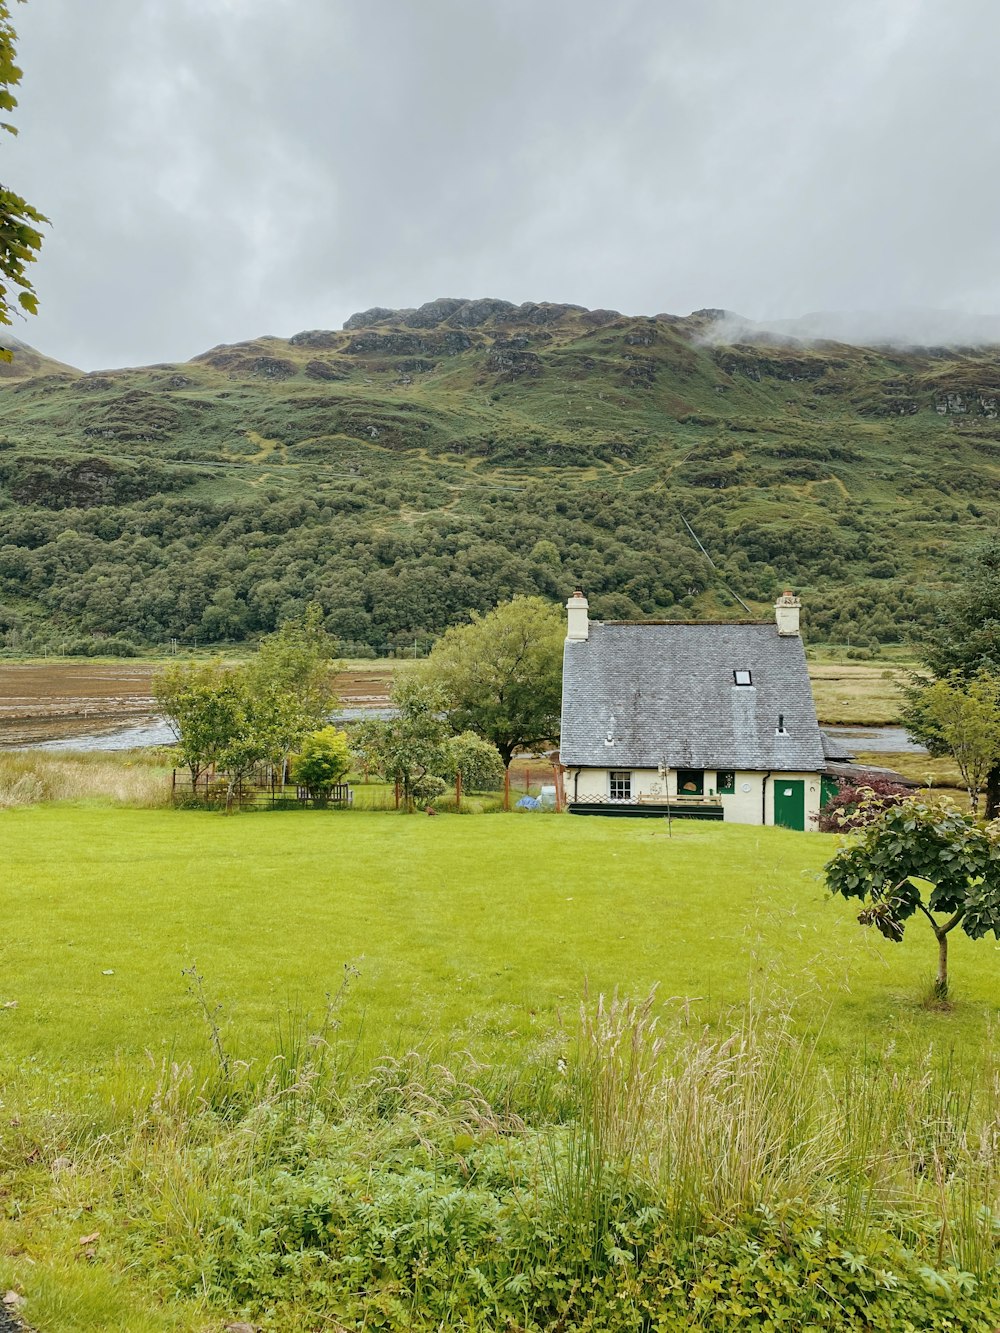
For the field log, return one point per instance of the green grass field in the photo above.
(465, 932)
(805, 1089)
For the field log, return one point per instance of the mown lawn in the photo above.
(144, 1198)
(470, 933)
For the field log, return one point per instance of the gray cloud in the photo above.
(217, 169)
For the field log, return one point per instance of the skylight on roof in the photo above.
(742, 678)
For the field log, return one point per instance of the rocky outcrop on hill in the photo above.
(324, 339)
(508, 364)
(325, 370)
(958, 403)
(475, 314)
(83, 483)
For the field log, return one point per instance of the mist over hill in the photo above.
(417, 464)
(914, 329)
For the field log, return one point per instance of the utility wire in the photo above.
(714, 565)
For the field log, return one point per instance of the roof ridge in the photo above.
(721, 624)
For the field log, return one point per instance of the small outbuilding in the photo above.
(698, 719)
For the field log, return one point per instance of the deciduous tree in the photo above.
(199, 705)
(501, 675)
(408, 749)
(322, 761)
(926, 858)
(966, 639)
(479, 762)
(297, 659)
(959, 717)
(20, 223)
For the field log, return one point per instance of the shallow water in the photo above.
(882, 740)
(138, 735)
(135, 736)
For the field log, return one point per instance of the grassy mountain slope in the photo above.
(417, 464)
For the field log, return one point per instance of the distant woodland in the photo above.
(417, 465)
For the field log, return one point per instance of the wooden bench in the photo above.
(651, 798)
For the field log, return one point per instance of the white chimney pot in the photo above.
(786, 613)
(577, 619)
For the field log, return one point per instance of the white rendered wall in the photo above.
(739, 807)
(744, 806)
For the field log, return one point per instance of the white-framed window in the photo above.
(621, 785)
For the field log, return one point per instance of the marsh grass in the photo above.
(30, 777)
(862, 695)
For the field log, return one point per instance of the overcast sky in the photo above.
(219, 169)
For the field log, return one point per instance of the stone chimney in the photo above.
(578, 622)
(786, 612)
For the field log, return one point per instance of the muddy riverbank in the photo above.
(110, 706)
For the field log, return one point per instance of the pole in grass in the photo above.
(666, 787)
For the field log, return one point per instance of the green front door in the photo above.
(790, 803)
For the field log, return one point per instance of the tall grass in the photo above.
(534, 1194)
(29, 777)
(718, 1127)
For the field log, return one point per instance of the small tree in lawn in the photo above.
(258, 730)
(260, 725)
(408, 749)
(276, 718)
(959, 717)
(323, 760)
(919, 857)
(297, 659)
(966, 640)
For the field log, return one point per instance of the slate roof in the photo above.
(834, 749)
(635, 695)
(859, 774)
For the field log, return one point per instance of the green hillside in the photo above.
(417, 464)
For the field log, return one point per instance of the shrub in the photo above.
(427, 787)
(857, 805)
(479, 762)
(323, 761)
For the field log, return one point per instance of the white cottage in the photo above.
(708, 720)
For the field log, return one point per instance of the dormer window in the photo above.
(742, 678)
